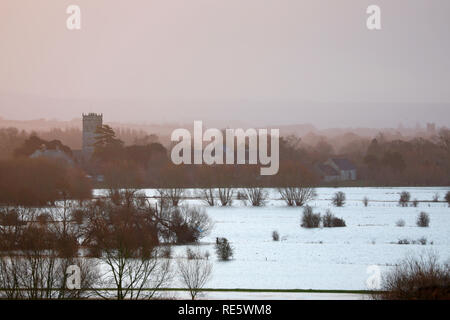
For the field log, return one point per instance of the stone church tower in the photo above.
(90, 123)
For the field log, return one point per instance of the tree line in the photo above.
(146, 163)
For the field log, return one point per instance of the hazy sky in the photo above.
(252, 61)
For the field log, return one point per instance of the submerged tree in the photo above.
(124, 236)
(195, 273)
(338, 199)
(416, 278)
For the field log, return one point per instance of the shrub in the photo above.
(422, 278)
(404, 199)
(256, 196)
(447, 198)
(400, 223)
(173, 195)
(327, 220)
(189, 224)
(193, 255)
(338, 222)
(330, 221)
(223, 248)
(194, 274)
(366, 201)
(423, 220)
(275, 236)
(226, 196)
(423, 241)
(436, 197)
(208, 195)
(241, 196)
(310, 219)
(40, 275)
(338, 199)
(415, 203)
(166, 252)
(297, 196)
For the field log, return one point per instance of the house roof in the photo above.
(327, 170)
(343, 164)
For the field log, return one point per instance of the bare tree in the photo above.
(405, 196)
(224, 250)
(34, 259)
(310, 219)
(275, 236)
(338, 199)
(30, 264)
(174, 195)
(423, 220)
(416, 278)
(330, 221)
(256, 195)
(9, 278)
(297, 196)
(188, 224)
(208, 195)
(134, 277)
(89, 278)
(194, 273)
(12, 222)
(447, 198)
(33, 276)
(436, 197)
(226, 196)
(365, 201)
(126, 240)
(124, 197)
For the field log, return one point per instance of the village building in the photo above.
(91, 122)
(55, 154)
(337, 169)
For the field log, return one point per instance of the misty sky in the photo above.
(227, 61)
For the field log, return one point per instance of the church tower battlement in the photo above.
(90, 123)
